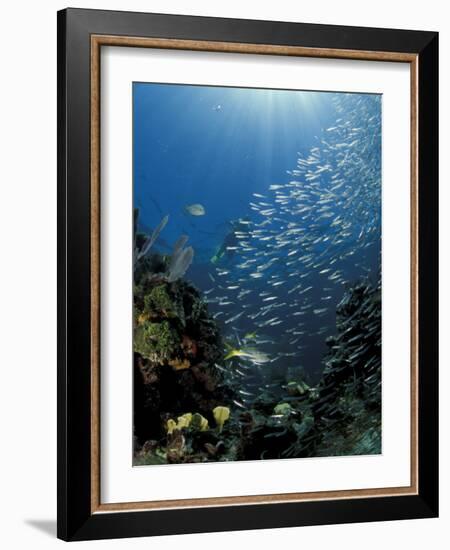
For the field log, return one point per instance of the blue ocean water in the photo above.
(279, 193)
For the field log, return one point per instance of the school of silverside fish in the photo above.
(220, 373)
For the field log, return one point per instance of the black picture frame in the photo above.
(76, 521)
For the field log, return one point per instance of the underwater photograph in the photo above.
(256, 274)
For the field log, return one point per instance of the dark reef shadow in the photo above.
(47, 526)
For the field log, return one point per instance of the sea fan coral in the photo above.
(179, 263)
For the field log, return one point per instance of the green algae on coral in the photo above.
(157, 342)
(159, 303)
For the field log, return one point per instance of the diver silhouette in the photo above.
(226, 250)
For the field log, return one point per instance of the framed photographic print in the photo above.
(247, 274)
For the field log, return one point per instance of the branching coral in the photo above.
(150, 241)
(180, 259)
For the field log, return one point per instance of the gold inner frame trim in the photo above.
(97, 41)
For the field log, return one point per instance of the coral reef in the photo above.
(185, 407)
(176, 348)
(348, 409)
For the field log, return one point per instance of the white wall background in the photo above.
(28, 274)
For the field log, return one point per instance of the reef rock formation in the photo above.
(176, 348)
(347, 412)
